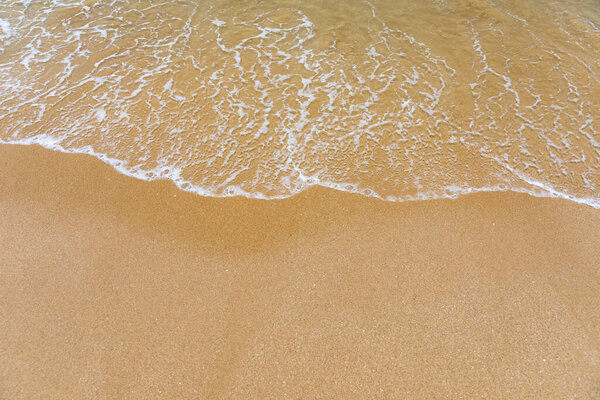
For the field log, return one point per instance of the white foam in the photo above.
(100, 114)
(5, 28)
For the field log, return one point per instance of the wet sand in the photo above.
(111, 287)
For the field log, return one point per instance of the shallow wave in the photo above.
(174, 175)
(394, 100)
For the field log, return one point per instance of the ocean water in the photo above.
(395, 99)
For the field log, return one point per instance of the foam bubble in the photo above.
(100, 114)
(5, 28)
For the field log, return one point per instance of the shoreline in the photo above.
(113, 287)
(187, 186)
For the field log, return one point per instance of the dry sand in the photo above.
(114, 288)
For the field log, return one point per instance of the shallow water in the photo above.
(394, 98)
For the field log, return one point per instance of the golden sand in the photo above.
(115, 288)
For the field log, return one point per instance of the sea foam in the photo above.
(267, 100)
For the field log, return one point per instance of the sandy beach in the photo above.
(112, 287)
(289, 210)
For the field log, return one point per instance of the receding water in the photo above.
(394, 98)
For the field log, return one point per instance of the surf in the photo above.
(393, 100)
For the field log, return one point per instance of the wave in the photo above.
(391, 99)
